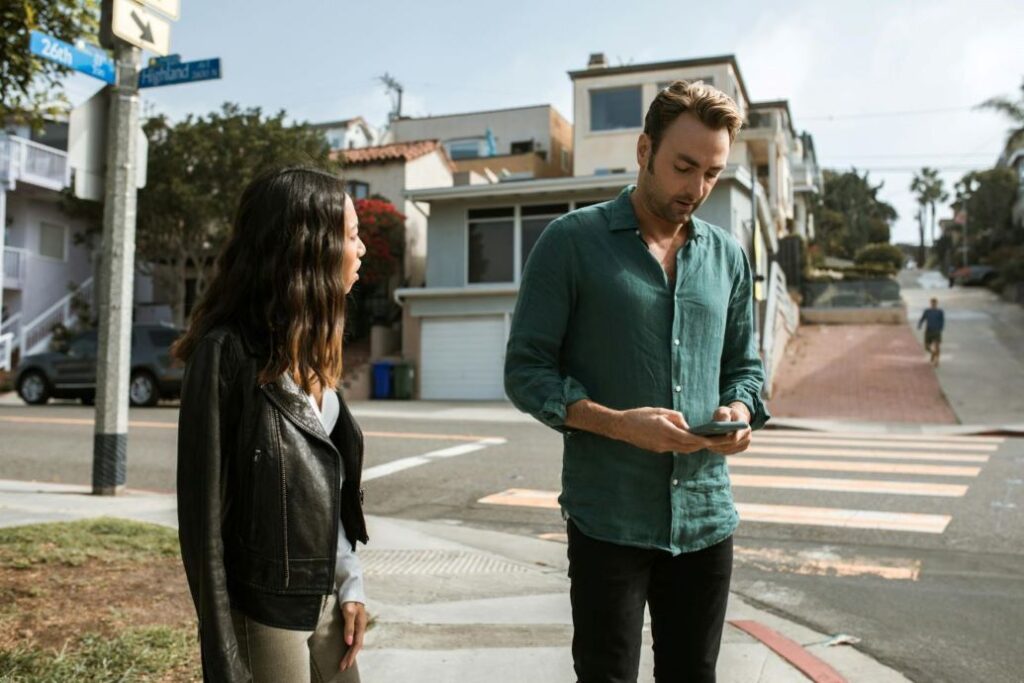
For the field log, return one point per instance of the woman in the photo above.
(269, 457)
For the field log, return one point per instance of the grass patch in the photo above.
(104, 539)
(157, 653)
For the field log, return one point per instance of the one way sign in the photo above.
(140, 27)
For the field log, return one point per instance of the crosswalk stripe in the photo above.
(857, 453)
(848, 519)
(905, 488)
(868, 436)
(924, 444)
(853, 466)
(823, 563)
(772, 514)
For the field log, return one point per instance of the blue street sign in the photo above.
(170, 72)
(92, 62)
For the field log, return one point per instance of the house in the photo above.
(391, 171)
(43, 267)
(456, 327)
(351, 133)
(512, 144)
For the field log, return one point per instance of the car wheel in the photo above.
(33, 388)
(143, 391)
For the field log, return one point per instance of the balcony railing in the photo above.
(15, 267)
(22, 160)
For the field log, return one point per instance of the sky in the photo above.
(885, 86)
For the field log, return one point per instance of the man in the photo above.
(634, 321)
(934, 320)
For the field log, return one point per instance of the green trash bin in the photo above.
(404, 376)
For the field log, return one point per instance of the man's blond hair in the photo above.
(711, 106)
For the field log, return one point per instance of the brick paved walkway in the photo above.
(873, 373)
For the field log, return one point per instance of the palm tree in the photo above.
(928, 187)
(1013, 110)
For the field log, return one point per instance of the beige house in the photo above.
(391, 171)
(511, 144)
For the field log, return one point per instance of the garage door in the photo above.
(463, 358)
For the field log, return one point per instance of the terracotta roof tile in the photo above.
(399, 151)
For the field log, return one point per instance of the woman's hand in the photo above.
(355, 629)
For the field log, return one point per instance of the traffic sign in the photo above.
(169, 8)
(135, 24)
(94, 63)
(166, 72)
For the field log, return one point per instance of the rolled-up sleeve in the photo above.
(742, 372)
(534, 380)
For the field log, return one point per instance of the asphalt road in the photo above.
(922, 562)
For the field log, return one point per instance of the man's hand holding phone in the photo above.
(733, 442)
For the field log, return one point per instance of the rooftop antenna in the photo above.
(394, 89)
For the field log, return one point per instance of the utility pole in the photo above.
(117, 265)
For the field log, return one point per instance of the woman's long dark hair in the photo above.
(279, 276)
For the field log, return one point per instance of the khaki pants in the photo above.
(278, 655)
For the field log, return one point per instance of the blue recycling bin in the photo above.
(382, 379)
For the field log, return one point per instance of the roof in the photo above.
(382, 154)
(659, 66)
(543, 186)
(342, 123)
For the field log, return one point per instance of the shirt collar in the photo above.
(623, 217)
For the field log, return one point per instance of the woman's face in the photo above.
(354, 247)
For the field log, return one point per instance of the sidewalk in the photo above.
(456, 604)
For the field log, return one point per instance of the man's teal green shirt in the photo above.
(597, 318)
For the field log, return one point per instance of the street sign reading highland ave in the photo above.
(95, 63)
(135, 24)
(171, 70)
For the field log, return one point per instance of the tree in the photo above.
(928, 187)
(1014, 111)
(197, 170)
(382, 229)
(849, 215)
(30, 87)
(987, 198)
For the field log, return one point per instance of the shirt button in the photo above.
(676, 342)
(678, 388)
(675, 482)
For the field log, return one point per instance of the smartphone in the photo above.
(718, 428)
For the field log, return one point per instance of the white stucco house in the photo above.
(455, 328)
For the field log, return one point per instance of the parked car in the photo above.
(72, 373)
(973, 275)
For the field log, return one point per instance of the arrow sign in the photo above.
(146, 28)
(134, 24)
(94, 63)
(167, 72)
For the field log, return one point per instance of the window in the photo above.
(491, 245)
(83, 346)
(565, 160)
(522, 147)
(464, 149)
(357, 189)
(534, 220)
(52, 241)
(615, 108)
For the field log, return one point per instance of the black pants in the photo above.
(611, 584)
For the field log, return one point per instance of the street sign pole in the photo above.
(114, 294)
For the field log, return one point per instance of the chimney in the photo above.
(597, 61)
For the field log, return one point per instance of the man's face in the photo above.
(681, 175)
(935, 303)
